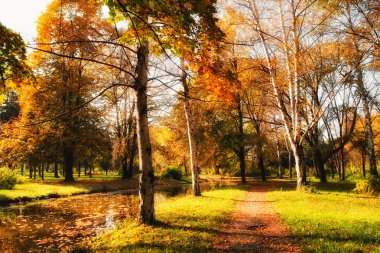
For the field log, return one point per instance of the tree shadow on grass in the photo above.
(368, 240)
(338, 187)
(358, 236)
(241, 200)
(178, 243)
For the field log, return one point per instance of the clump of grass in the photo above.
(369, 186)
(330, 221)
(309, 189)
(186, 224)
(35, 190)
(8, 178)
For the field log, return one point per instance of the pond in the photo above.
(57, 225)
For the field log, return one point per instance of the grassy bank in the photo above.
(333, 220)
(37, 189)
(187, 224)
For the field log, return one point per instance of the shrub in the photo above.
(171, 172)
(8, 179)
(368, 186)
(309, 189)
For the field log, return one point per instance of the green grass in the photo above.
(186, 224)
(36, 190)
(334, 220)
(49, 176)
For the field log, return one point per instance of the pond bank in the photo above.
(31, 191)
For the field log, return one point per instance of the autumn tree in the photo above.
(154, 24)
(12, 56)
(360, 26)
(65, 84)
(285, 31)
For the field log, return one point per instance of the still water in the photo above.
(57, 225)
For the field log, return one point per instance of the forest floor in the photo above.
(256, 227)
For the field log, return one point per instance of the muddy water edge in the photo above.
(58, 225)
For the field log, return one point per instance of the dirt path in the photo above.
(255, 228)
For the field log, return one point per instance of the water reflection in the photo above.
(57, 225)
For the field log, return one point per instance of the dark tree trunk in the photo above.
(146, 182)
(79, 168)
(42, 171)
(185, 166)
(279, 162)
(343, 166)
(290, 164)
(319, 165)
(68, 156)
(253, 166)
(63, 169)
(332, 168)
(262, 168)
(56, 170)
(241, 152)
(90, 171)
(363, 161)
(131, 145)
(132, 155)
(22, 169)
(124, 168)
(30, 171)
(35, 173)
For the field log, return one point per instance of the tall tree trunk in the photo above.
(79, 168)
(298, 157)
(132, 154)
(56, 170)
(290, 165)
(43, 172)
(262, 167)
(363, 161)
(185, 166)
(30, 171)
(253, 166)
(241, 139)
(342, 166)
(368, 124)
(68, 156)
(190, 134)
(318, 160)
(279, 162)
(289, 158)
(146, 183)
(22, 169)
(124, 166)
(128, 136)
(259, 150)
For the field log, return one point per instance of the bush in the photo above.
(8, 179)
(309, 189)
(368, 186)
(174, 173)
